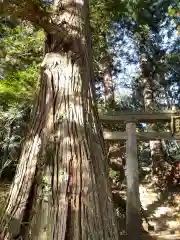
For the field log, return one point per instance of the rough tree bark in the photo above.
(61, 189)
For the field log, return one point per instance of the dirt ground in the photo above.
(162, 210)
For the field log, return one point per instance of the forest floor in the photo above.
(4, 190)
(162, 210)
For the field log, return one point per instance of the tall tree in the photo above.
(149, 106)
(60, 190)
(108, 81)
(147, 32)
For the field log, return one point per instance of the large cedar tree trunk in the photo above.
(60, 190)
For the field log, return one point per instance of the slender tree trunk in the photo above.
(155, 146)
(61, 190)
(108, 81)
(108, 86)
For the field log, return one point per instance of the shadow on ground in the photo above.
(163, 212)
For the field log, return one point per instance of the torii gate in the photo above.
(133, 209)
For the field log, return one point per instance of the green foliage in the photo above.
(21, 54)
(23, 45)
(18, 87)
(23, 48)
(103, 15)
(13, 127)
(174, 12)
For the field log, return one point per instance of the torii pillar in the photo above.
(133, 207)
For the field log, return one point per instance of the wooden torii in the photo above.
(133, 208)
